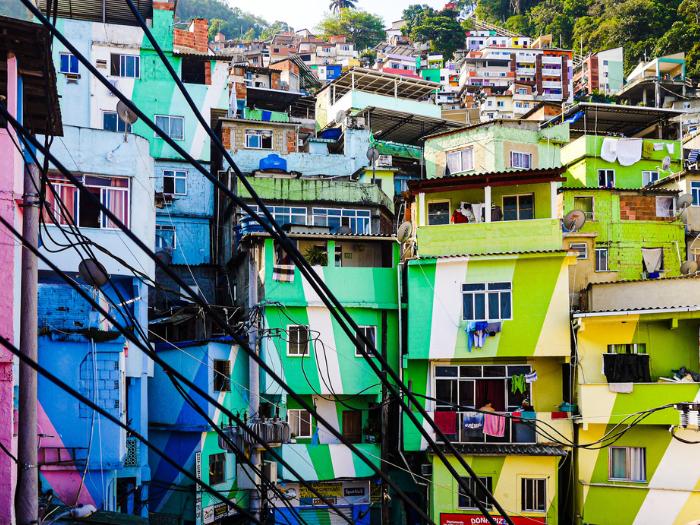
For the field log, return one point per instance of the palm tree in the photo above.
(337, 5)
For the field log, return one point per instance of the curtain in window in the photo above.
(637, 464)
(67, 194)
(116, 201)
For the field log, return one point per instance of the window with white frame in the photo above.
(581, 248)
(695, 192)
(480, 495)
(299, 422)
(125, 65)
(438, 213)
(112, 122)
(175, 182)
(369, 332)
(487, 301)
(533, 495)
(601, 260)
(518, 207)
(258, 139)
(627, 464)
(68, 64)
(520, 160)
(172, 125)
(358, 221)
(586, 205)
(77, 206)
(285, 214)
(297, 340)
(649, 176)
(665, 206)
(606, 178)
(460, 160)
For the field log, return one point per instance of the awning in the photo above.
(404, 128)
(105, 11)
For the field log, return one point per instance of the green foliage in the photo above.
(273, 29)
(316, 256)
(337, 5)
(444, 34)
(231, 21)
(362, 28)
(414, 14)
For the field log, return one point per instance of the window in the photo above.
(695, 192)
(606, 178)
(112, 192)
(285, 214)
(533, 495)
(125, 65)
(585, 204)
(627, 464)
(581, 248)
(460, 160)
(628, 348)
(500, 104)
(166, 239)
(487, 302)
(352, 425)
(258, 139)
(193, 69)
(112, 122)
(299, 422)
(438, 213)
(518, 207)
(217, 468)
(601, 260)
(174, 127)
(298, 342)
(222, 375)
(369, 332)
(665, 207)
(649, 176)
(520, 160)
(68, 64)
(467, 502)
(175, 182)
(358, 221)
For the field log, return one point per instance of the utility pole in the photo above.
(27, 496)
(254, 378)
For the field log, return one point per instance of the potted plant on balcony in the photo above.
(316, 256)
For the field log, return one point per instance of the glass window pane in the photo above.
(617, 463)
(510, 208)
(468, 306)
(494, 371)
(470, 371)
(494, 312)
(479, 307)
(109, 121)
(466, 393)
(527, 207)
(473, 286)
(446, 371)
(505, 305)
(176, 128)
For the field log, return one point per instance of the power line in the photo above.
(77, 395)
(215, 316)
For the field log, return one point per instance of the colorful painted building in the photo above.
(633, 341)
(488, 328)
(28, 92)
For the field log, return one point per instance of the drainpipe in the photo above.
(254, 374)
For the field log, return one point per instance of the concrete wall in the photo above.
(653, 293)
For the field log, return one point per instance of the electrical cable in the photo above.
(77, 395)
(672, 431)
(156, 358)
(214, 315)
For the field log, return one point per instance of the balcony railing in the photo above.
(470, 429)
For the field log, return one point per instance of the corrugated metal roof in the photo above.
(491, 254)
(105, 11)
(509, 450)
(639, 190)
(691, 308)
(514, 176)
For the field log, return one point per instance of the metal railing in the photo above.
(470, 429)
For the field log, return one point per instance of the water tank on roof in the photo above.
(273, 162)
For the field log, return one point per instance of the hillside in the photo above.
(644, 27)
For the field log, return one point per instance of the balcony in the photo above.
(594, 397)
(328, 461)
(490, 237)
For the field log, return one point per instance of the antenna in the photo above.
(689, 268)
(574, 220)
(404, 231)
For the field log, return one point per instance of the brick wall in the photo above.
(639, 207)
(100, 380)
(164, 6)
(196, 37)
(207, 73)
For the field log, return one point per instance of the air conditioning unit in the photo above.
(270, 470)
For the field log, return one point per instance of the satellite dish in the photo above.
(404, 231)
(339, 116)
(372, 154)
(689, 267)
(684, 201)
(93, 272)
(574, 220)
(125, 114)
(666, 163)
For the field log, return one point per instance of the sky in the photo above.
(302, 14)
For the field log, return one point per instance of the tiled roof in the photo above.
(507, 449)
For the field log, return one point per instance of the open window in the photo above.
(193, 70)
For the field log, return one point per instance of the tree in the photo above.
(444, 34)
(360, 27)
(336, 5)
(273, 29)
(414, 14)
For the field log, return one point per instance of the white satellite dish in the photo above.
(666, 163)
(574, 220)
(340, 116)
(403, 234)
(684, 201)
(125, 113)
(689, 267)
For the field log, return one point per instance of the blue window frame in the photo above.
(112, 122)
(695, 192)
(69, 64)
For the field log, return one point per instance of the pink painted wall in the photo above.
(11, 181)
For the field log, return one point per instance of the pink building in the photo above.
(28, 90)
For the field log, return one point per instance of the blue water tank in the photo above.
(273, 162)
